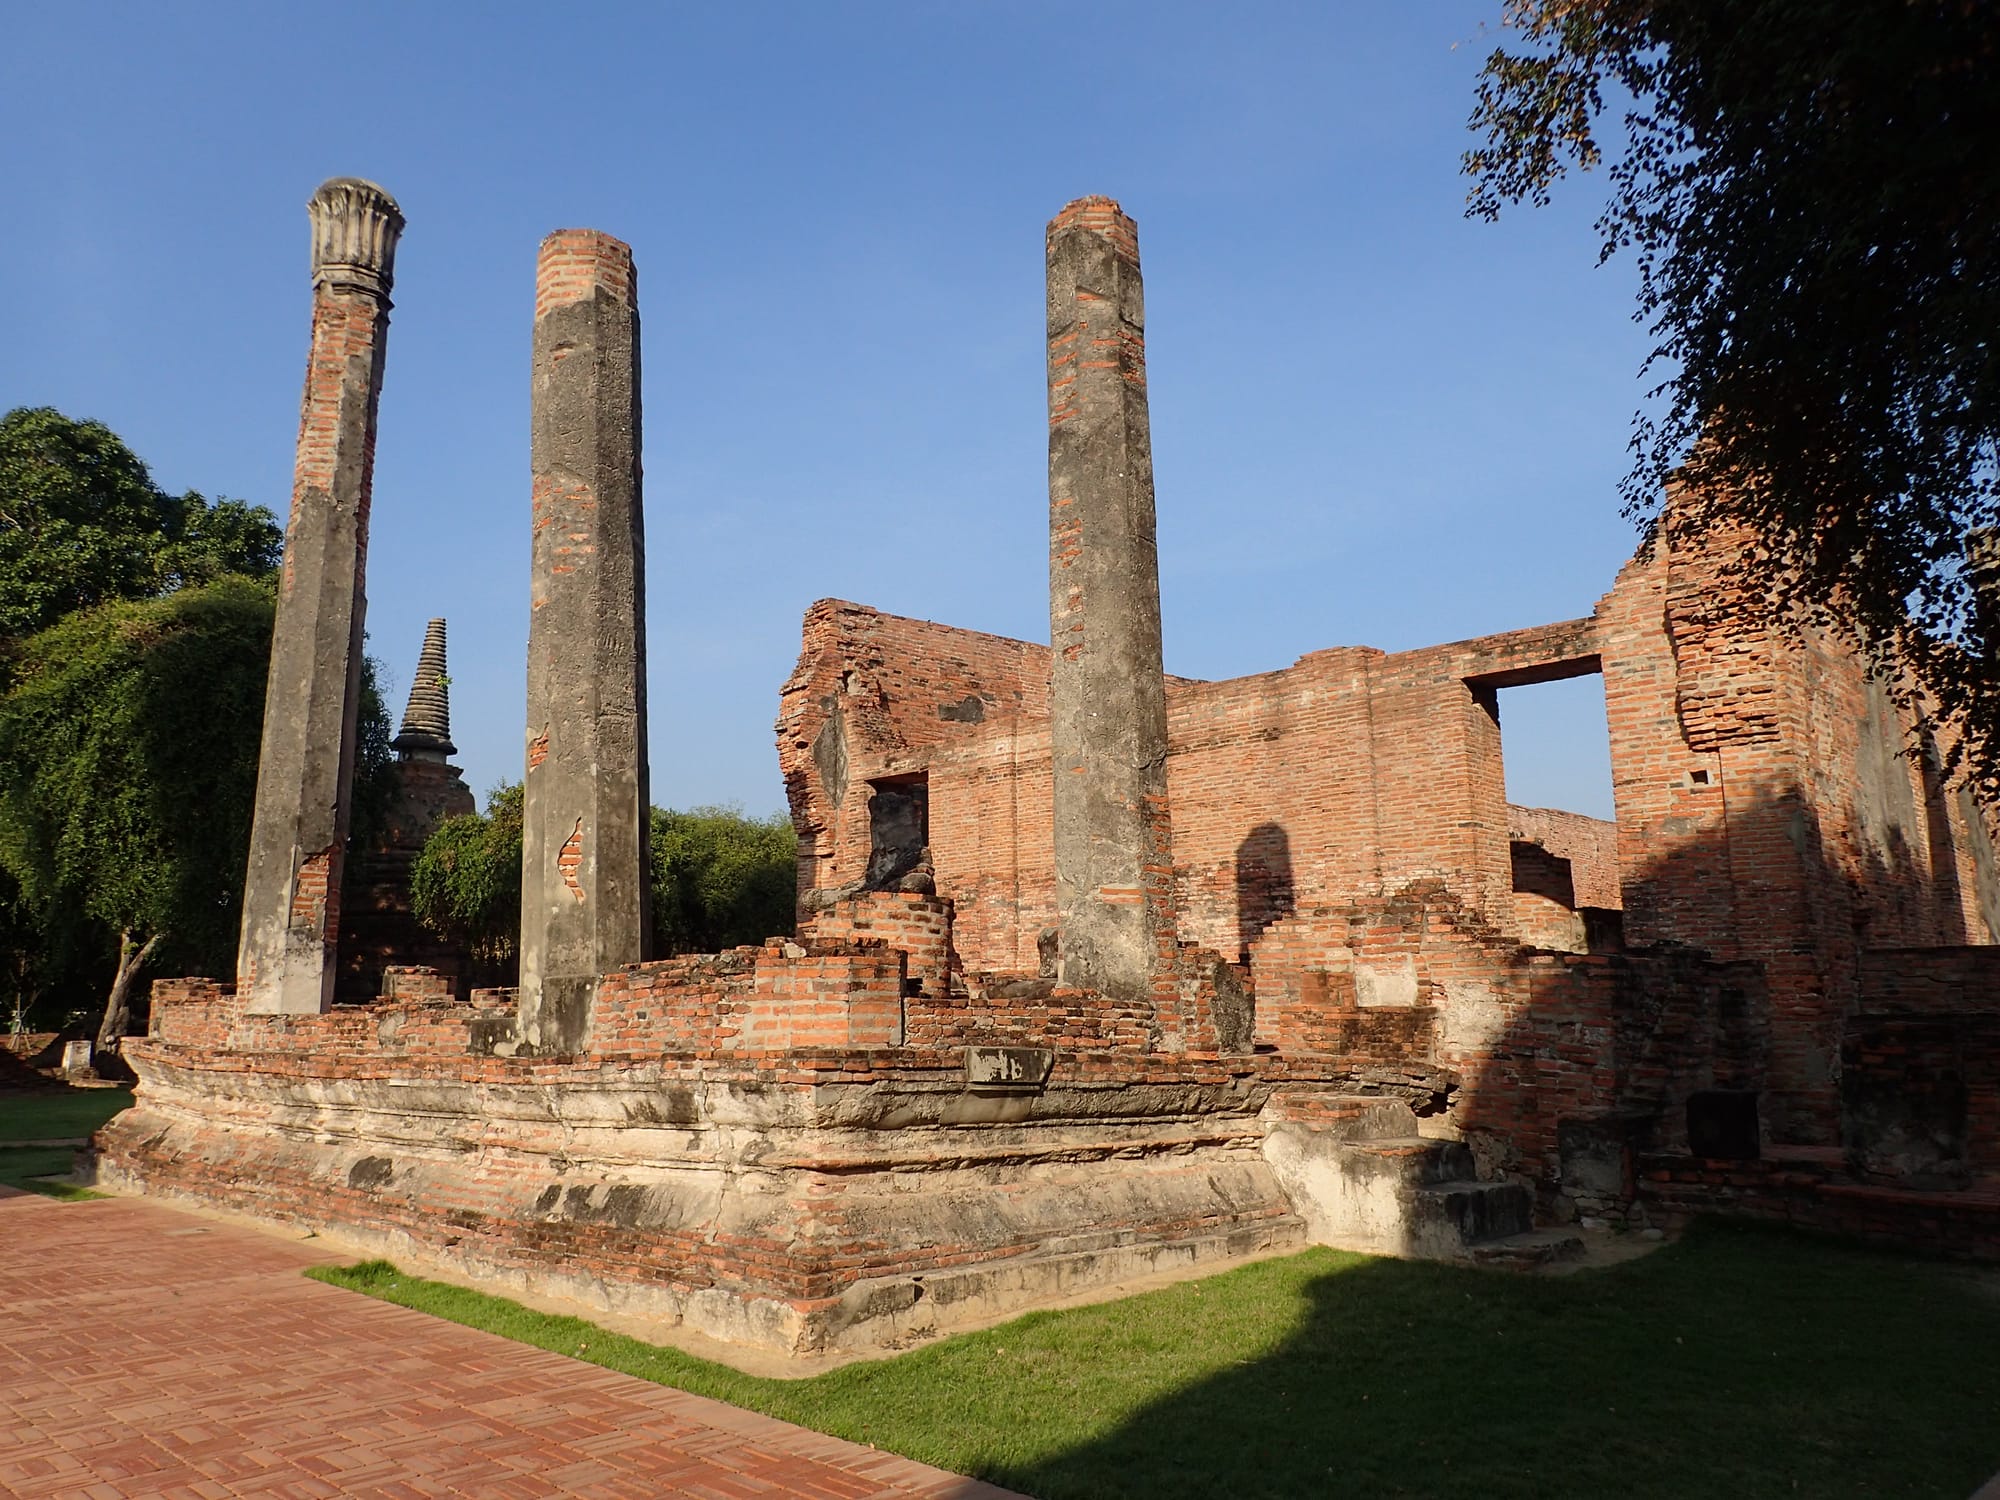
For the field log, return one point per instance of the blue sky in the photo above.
(1375, 422)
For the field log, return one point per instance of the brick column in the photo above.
(298, 835)
(585, 904)
(1108, 719)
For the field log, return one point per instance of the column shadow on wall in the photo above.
(1265, 892)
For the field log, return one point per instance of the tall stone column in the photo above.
(585, 897)
(298, 834)
(1108, 719)
(1982, 569)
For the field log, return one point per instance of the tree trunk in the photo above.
(25, 996)
(118, 1009)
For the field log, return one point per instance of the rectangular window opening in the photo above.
(1555, 744)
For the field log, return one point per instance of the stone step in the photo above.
(1450, 1216)
(1524, 1252)
(1353, 1117)
(1417, 1159)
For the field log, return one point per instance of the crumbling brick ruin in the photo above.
(1102, 972)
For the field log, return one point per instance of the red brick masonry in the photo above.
(895, 1126)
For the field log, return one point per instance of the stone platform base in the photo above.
(797, 1209)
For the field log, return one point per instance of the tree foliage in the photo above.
(719, 879)
(466, 882)
(82, 522)
(375, 782)
(1812, 194)
(133, 657)
(128, 764)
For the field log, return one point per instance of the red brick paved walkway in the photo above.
(145, 1352)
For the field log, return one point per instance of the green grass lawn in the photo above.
(1739, 1362)
(56, 1114)
(24, 1168)
(51, 1114)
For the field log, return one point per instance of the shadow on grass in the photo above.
(1740, 1362)
(39, 1170)
(56, 1113)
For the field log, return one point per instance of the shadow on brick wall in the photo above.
(1737, 972)
(1265, 890)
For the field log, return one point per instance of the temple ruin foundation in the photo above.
(1027, 1042)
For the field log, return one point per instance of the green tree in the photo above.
(128, 764)
(22, 966)
(128, 772)
(718, 879)
(134, 644)
(1812, 195)
(466, 883)
(375, 784)
(82, 522)
(721, 879)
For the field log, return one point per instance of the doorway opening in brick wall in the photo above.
(1555, 745)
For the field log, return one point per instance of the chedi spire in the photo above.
(426, 731)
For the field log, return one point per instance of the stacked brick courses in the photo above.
(917, 926)
(1764, 814)
(1345, 775)
(756, 1186)
(1589, 845)
(1921, 1066)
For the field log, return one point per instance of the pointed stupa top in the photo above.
(427, 721)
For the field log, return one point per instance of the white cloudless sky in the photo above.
(1375, 421)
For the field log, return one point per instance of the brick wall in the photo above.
(1346, 774)
(1763, 811)
(874, 695)
(1590, 845)
(1807, 1191)
(205, 1017)
(1920, 1066)
(1929, 981)
(1530, 1039)
(917, 926)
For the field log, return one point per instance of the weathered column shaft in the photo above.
(1108, 721)
(1982, 569)
(298, 836)
(585, 904)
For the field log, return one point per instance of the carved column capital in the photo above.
(355, 225)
